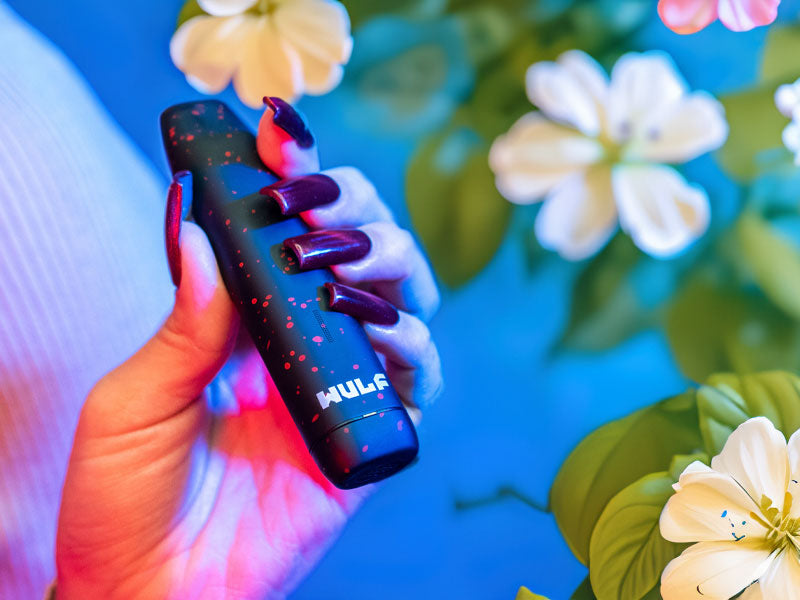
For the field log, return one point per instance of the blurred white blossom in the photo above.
(282, 48)
(596, 149)
(787, 98)
(689, 16)
(742, 514)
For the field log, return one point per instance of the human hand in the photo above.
(188, 478)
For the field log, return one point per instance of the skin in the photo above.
(187, 478)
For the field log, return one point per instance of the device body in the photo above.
(327, 373)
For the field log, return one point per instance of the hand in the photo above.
(187, 477)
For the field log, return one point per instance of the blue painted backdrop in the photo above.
(511, 412)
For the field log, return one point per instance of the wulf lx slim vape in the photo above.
(330, 378)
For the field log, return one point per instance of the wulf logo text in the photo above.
(351, 389)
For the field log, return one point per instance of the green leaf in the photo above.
(454, 205)
(627, 553)
(583, 591)
(363, 10)
(189, 10)
(605, 307)
(781, 59)
(726, 401)
(756, 127)
(616, 455)
(525, 594)
(773, 260)
(714, 327)
(681, 461)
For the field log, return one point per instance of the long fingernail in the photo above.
(297, 194)
(172, 228)
(360, 304)
(287, 118)
(318, 249)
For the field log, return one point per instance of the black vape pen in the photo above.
(330, 378)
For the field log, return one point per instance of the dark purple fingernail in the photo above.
(286, 118)
(361, 305)
(318, 249)
(297, 194)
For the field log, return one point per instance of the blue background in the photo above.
(511, 412)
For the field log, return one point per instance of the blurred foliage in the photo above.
(610, 492)
(452, 73)
(455, 205)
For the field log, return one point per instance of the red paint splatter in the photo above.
(301, 358)
(241, 264)
(364, 449)
(291, 353)
(291, 299)
(227, 221)
(399, 426)
(355, 367)
(314, 369)
(381, 414)
(287, 366)
(227, 152)
(380, 396)
(303, 305)
(189, 137)
(244, 230)
(254, 300)
(317, 339)
(314, 418)
(289, 325)
(265, 303)
(347, 430)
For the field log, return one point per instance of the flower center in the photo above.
(783, 530)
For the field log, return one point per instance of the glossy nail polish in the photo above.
(296, 194)
(287, 118)
(361, 305)
(327, 247)
(172, 228)
(327, 373)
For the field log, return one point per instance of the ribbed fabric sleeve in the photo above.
(83, 281)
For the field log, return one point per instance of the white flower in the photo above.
(743, 514)
(787, 99)
(282, 48)
(594, 153)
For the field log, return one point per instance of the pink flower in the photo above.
(689, 16)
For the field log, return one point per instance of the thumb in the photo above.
(171, 370)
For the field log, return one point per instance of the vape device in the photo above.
(321, 361)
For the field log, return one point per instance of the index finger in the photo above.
(285, 144)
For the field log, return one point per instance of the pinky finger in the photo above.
(412, 360)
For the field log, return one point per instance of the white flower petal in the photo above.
(688, 128)
(571, 90)
(714, 570)
(791, 139)
(787, 98)
(320, 34)
(207, 49)
(658, 209)
(269, 67)
(707, 507)
(642, 86)
(753, 592)
(755, 455)
(578, 216)
(536, 154)
(225, 8)
(782, 579)
(320, 28)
